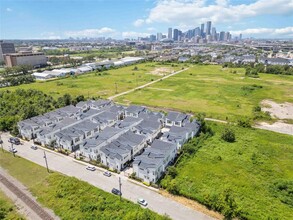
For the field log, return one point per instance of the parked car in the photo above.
(13, 150)
(34, 147)
(142, 202)
(107, 173)
(91, 168)
(116, 192)
(14, 140)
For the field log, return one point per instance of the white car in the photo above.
(91, 168)
(142, 202)
(107, 173)
(13, 150)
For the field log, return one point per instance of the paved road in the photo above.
(145, 85)
(130, 190)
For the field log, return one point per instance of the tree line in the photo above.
(23, 104)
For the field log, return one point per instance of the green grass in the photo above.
(100, 84)
(69, 197)
(8, 209)
(257, 170)
(215, 91)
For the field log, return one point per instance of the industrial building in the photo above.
(35, 59)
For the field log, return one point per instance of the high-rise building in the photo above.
(180, 35)
(159, 36)
(240, 36)
(197, 32)
(170, 33)
(202, 30)
(152, 37)
(209, 26)
(175, 34)
(222, 36)
(6, 48)
(214, 34)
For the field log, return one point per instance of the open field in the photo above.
(105, 54)
(8, 209)
(215, 91)
(69, 197)
(99, 84)
(256, 171)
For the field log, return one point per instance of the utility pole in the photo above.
(116, 87)
(1, 142)
(12, 150)
(120, 184)
(46, 162)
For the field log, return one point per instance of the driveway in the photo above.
(130, 190)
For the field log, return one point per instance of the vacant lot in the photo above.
(256, 171)
(217, 92)
(69, 197)
(99, 84)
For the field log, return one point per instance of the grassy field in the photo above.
(101, 84)
(215, 91)
(256, 170)
(69, 197)
(8, 209)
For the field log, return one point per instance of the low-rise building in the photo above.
(35, 59)
(152, 163)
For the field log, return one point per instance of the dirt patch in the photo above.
(161, 71)
(169, 90)
(278, 126)
(192, 204)
(279, 111)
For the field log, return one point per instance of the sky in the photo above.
(58, 19)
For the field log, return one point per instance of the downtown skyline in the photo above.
(52, 19)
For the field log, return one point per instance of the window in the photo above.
(89, 133)
(169, 122)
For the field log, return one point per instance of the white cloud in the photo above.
(8, 9)
(271, 32)
(133, 34)
(138, 22)
(102, 32)
(50, 35)
(191, 12)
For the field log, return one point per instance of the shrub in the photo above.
(228, 135)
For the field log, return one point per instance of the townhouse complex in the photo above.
(115, 135)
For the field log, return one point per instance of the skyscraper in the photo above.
(214, 34)
(152, 37)
(6, 48)
(175, 34)
(202, 30)
(159, 36)
(170, 33)
(197, 32)
(208, 30)
(222, 36)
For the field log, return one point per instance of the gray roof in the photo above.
(154, 155)
(128, 122)
(135, 109)
(177, 116)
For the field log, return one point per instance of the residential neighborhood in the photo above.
(114, 135)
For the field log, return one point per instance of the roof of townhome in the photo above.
(101, 102)
(82, 104)
(176, 116)
(148, 126)
(115, 150)
(128, 122)
(135, 108)
(89, 143)
(90, 113)
(155, 154)
(131, 139)
(151, 115)
(116, 108)
(105, 116)
(106, 134)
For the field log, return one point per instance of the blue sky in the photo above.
(43, 19)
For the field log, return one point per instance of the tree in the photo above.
(228, 135)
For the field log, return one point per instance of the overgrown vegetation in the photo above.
(250, 178)
(71, 198)
(22, 104)
(7, 209)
